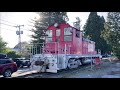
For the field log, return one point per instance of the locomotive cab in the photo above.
(63, 39)
(55, 33)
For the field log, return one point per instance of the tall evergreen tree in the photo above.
(111, 32)
(93, 28)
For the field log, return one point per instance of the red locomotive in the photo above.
(66, 34)
(65, 47)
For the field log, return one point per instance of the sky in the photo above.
(10, 19)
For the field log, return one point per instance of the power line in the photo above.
(8, 21)
(7, 29)
(12, 26)
(10, 16)
(6, 24)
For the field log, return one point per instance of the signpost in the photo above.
(91, 49)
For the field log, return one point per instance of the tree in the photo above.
(92, 30)
(46, 19)
(10, 53)
(111, 32)
(76, 24)
(2, 45)
(24, 49)
(13, 55)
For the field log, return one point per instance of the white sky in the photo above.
(8, 33)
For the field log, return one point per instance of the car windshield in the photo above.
(20, 59)
(24, 59)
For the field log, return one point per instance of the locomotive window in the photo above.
(77, 34)
(58, 32)
(67, 31)
(68, 38)
(49, 33)
(67, 34)
(49, 37)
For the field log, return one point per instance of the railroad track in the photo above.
(60, 74)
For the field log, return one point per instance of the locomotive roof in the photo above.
(61, 24)
(88, 40)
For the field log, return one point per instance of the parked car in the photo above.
(106, 56)
(7, 67)
(22, 62)
(3, 56)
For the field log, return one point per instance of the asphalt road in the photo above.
(21, 72)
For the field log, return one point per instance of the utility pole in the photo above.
(19, 32)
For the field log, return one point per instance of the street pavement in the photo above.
(21, 72)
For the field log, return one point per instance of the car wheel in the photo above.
(7, 73)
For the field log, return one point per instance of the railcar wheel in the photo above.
(72, 63)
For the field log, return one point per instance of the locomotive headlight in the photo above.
(56, 25)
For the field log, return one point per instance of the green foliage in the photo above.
(92, 30)
(25, 48)
(7, 50)
(13, 55)
(2, 45)
(111, 32)
(26, 51)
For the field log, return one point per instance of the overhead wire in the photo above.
(7, 24)
(8, 29)
(8, 21)
(12, 23)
